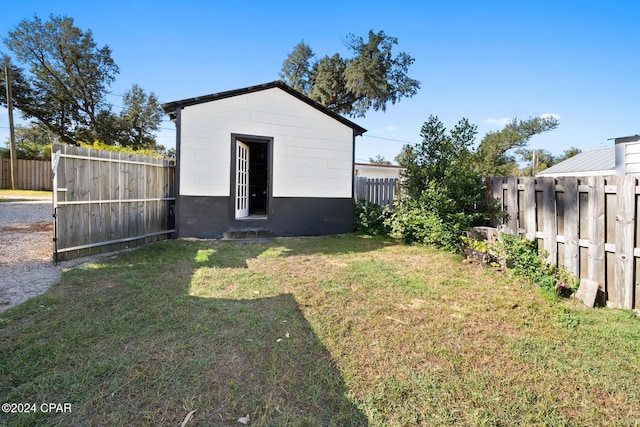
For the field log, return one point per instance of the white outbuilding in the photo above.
(264, 159)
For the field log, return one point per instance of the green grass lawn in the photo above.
(341, 330)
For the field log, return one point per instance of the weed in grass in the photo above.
(567, 319)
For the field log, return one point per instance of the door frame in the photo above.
(241, 200)
(248, 140)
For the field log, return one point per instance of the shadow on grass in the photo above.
(125, 343)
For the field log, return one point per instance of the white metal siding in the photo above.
(633, 147)
(377, 171)
(205, 153)
(632, 158)
(312, 153)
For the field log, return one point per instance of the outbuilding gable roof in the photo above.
(171, 107)
(601, 161)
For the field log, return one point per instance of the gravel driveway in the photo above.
(26, 247)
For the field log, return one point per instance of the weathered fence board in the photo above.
(588, 225)
(106, 201)
(570, 210)
(380, 191)
(31, 174)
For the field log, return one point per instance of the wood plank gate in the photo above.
(105, 201)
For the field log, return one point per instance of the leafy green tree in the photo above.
(493, 157)
(535, 160)
(33, 142)
(403, 154)
(379, 160)
(567, 154)
(66, 85)
(140, 117)
(68, 75)
(543, 159)
(171, 152)
(109, 130)
(295, 69)
(371, 79)
(441, 189)
(328, 85)
(440, 154)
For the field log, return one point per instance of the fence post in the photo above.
(512, 205)
(530, 207)
(625, 221)
(571, 221)
(596, 210)
(360, 187)
(550, 219)
(497, 194)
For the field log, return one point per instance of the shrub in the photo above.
(524, 259)
(415, 224)
(443, 193)
(371, 219)
(121, 149)
(436, 216)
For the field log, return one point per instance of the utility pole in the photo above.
(533, 163)
(12, 134)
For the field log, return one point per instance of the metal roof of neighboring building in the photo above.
(601, 161)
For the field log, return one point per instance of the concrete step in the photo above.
(246, 234)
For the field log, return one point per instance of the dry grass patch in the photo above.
(22, 195)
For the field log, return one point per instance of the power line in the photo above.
(388, 139)
(366, 136)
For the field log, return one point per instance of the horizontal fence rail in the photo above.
(379, 191)
(30, 174)
(106, 201)
(588, 225)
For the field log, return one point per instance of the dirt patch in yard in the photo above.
(26, 250)
(26, 236)
(28, 228)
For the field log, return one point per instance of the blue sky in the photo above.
(488, 61)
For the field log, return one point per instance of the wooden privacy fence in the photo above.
(106, 201)
(31, 174)
(588, 225)
(379, 191)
